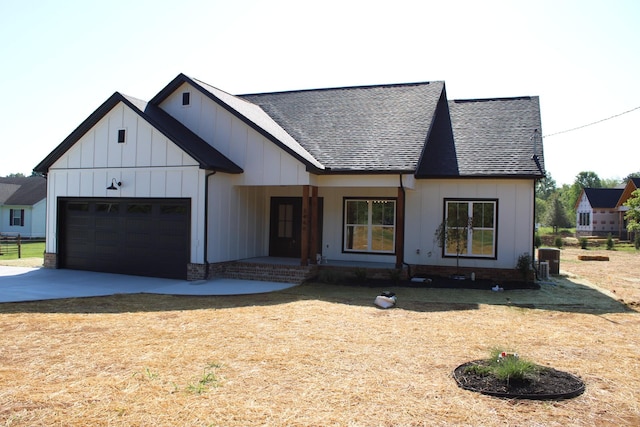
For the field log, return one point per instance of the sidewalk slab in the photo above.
(18, 284)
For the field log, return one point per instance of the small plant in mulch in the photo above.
(505, 374)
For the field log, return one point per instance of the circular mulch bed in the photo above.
(550, 385)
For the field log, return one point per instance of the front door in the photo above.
(286, 226)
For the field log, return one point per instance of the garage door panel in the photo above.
(148, 237)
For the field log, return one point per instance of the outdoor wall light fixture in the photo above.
(113, 184)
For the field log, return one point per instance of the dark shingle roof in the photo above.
(357, 129)
(603, 197)
(408, 128)
(207, 156)
(22, 191)
(497, 137)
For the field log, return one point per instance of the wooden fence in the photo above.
(10, 243)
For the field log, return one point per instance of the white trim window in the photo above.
(16, 217)
(473, 225)
(369, 225)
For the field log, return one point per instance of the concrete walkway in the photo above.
(33, 284)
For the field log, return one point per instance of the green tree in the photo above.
(545, 187)
(15, 175)
(569, 195)
(588, 180)
(633, 214)
(556, 215)
(541, 209)
(631, 175)
(610, 182)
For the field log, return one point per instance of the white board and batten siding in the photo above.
(147, 164)
(425, 210)
(264, 163)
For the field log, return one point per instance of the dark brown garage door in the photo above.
(145, 237)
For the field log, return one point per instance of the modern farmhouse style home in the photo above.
(197, 183)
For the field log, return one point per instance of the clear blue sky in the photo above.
(62, 59)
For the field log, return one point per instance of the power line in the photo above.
(593, 123)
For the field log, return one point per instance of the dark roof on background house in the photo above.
(207, 156)
(26, 191)
(603, 197)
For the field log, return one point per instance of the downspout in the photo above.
(404, 206)
(536, 159)
(533, 238)
(206, 224)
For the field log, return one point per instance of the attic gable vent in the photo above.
(186, 98)
(122, 136)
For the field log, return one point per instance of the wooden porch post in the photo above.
(313, 246)
(304, 238)
(400, 229)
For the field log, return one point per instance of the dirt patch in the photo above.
(22, 262)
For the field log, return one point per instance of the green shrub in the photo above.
(584, 242)
(609, 242)
(537, 241)
(524, 265)
(636, 241)
(558, 242)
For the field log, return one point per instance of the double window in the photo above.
(584, 218)
(470, 228)
(369, 225)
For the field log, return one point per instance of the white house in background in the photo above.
(23, 203)
(596, 212)
(198, 182)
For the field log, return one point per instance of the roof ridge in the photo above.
(372, 86)
(511, 98)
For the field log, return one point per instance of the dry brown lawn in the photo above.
(321, 355)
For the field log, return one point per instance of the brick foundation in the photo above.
(50, 260)
(497, 274)
(196, 271)
(261, 271)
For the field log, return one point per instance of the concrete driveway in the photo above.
(33, 284)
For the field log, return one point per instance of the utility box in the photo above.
(551, 256)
